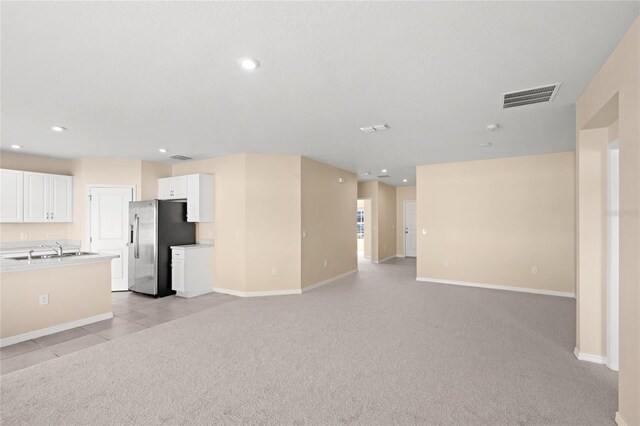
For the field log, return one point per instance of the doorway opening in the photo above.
(363, 228)
(613, 258)
(108, 228)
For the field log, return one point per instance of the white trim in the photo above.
(596, 359)
(385, 259)
(619, 420)
(12, 340)
(399, 255)
(497, 287)
(321, 283)
(256, 293)
(280, 292)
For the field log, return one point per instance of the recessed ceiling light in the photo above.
(367, 173)
(492, 127)
(162, 150)
(404, 180)
(58, 128)
(249, 64)
(16, 146)
(486, 144)
(384, 170)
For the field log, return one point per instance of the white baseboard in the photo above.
(280, 292)
(619, 420)
(596, 359)
(399, 255)
(330, 280)
(12, 340)
(385, 259)
(498, 287)
(257, 293)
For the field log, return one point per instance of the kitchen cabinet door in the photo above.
(179, 187)
(61, 196)
(11, 203)
(36, 196)
(177, 275)
(164, 188)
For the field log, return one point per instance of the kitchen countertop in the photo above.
(19, 248)
(13, 265)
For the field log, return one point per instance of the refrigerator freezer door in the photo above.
(143, 221)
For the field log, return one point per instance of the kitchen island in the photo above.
(44, 296)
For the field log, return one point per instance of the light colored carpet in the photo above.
(374, 348)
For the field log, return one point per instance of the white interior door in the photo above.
(108, 229)
(410, 229)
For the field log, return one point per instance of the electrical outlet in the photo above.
(304, 233)
(24, 236)
(534, 270)
(326, 263)
(43, 299)
(274, 271)
(424, 231)
(49, 235)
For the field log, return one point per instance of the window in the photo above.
(360, 223)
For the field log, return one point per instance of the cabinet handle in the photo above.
(47, 215)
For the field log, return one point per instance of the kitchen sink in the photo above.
(53, 256)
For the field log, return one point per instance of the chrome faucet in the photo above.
(29, 254)
(58, 249)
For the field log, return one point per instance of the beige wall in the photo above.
(403, 193)
(328, 221)
(367, 228)
(383, 218)
(273, 222)
(229, 222)
(386, 221)
(614, 95)
(81, 291)
(34, 163)
(369, 191)
(149, 174)
(491, 221)
(99, 171)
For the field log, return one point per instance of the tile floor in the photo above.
(132, 312)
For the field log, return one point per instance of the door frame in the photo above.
(404, 225)
(371, 237)
(87, 234)
(613, 270)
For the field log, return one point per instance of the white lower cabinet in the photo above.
(192, 269)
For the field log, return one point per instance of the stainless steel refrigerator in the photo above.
(155, 226)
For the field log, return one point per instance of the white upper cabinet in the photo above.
(172, 188)
(200, 190)
(47, 197)
(197, 189)
(11, 203)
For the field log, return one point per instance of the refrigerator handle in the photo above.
(136, 244)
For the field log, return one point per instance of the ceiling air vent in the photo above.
(384, 176)
(180, 157)
(530, 96)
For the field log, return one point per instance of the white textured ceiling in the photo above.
(127, 78)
